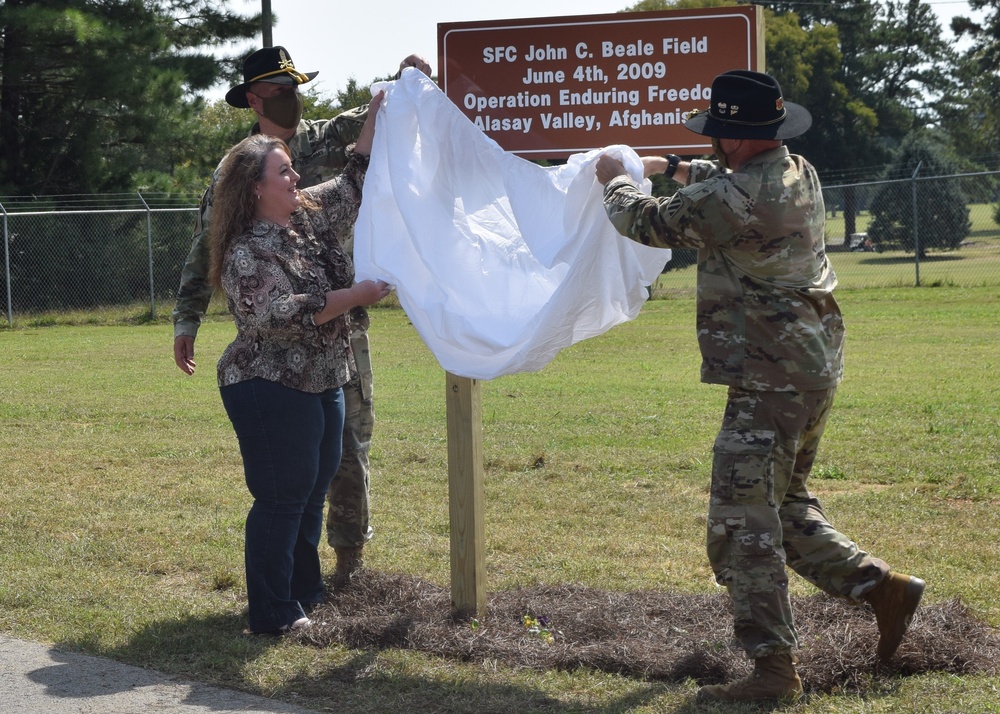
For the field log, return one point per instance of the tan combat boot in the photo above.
(894, 600)
(773, 677)
(349, 562)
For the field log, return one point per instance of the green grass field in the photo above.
(123, 498)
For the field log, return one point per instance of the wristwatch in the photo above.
(672, 161)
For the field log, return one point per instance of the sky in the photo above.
(367, 39)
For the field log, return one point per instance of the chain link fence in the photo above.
(919, 231)
(80, 253)
(936, 230)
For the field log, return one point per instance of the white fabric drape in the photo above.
(499, 263)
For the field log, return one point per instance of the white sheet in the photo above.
(499, 263)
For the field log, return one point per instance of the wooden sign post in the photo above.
(465, 496)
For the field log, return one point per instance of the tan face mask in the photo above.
(719, 153)
(285, 109)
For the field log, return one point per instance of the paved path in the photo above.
(37, 679)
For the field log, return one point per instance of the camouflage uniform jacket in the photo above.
(276, 279)
(767, 319)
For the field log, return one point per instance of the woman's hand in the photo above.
(367, 136)
(367, 292)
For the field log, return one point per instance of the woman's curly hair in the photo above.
(233, 198)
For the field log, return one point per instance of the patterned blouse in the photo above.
(276, 278)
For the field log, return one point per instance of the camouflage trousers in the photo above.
(348, 514)
(761, 516)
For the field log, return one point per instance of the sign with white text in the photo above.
(551, 87)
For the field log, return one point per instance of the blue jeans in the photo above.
(290, 442)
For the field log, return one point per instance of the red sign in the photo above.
(551, 87)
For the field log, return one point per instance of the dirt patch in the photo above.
(647, 634)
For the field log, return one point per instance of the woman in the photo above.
(288, 284)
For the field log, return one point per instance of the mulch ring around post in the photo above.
(648, 634)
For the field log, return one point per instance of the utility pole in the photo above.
(265, 23)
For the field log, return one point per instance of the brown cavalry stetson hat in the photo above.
(748, 105)
(271, 64)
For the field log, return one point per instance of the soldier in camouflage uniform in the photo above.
(770, 329)
(318, 152)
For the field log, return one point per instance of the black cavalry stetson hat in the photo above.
(748, 105)
(271, 64)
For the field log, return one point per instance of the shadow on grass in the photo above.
(216, 650)
(373, 688)
(658, 639)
